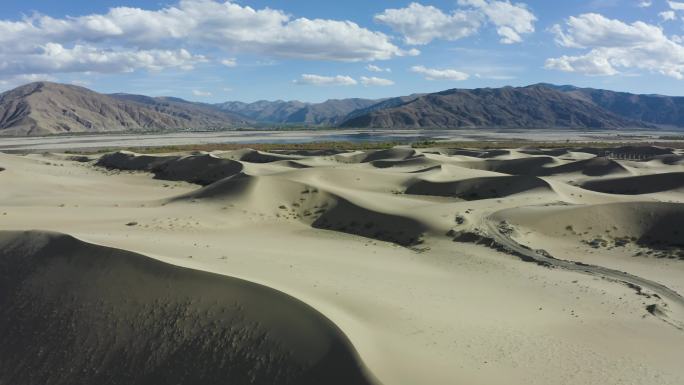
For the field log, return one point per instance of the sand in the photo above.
(75, 313)
(439, 266)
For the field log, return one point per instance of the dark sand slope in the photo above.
(75, 313)
(479, 188)
(201, 169)
(636, 185)
(547, 166)
(311, 205)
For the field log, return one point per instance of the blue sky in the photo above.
(213, 50)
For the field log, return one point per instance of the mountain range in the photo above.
(51, 108)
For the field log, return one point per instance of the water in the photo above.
(113, 141)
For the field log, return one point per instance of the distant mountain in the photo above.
(329, 113)
(51, 108)
(264, 111)
(537, 106)
(381, 105)
(656, 109)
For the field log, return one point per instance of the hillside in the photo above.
(535, 106)
(50, 108)
(329, 113)
(656, 109)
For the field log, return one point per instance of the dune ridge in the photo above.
(76, 313)
(479, 188)
(637, 185)
(202, 169)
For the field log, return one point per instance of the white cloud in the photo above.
(511, 20)
(82, 83)
(318, 80)
(375, 81)
(55, 58)
(593, 63)
(229, 62)
(644, 4)
(614, 45)
(374, 68)
(676, 5)
(162, 38)
(440, 74)
(421, 24)
(202, 94)
(8, 82)
(668, 15)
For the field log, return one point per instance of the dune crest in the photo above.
(109, 316)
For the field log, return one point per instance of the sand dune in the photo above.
(548, 152)
(629, 151)
(670, 160)
(649, 224)
(636, 185)
(479, 188)
(520, 166)
(76, 313)
(548, 166)
(413, 264)
(590, 167)
(350, 218)
(308, 204)
(414, 163)
(471, 153)
(254, 156)
(395, 154)
(201, 169)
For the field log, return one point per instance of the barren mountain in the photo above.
(49, 108)
(329, 113)
(535, 106)
(656, 109)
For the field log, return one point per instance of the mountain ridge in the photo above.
(51, 108)
(330, 112)
(535, 106)
(42, 108)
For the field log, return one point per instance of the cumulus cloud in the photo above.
(318, 80)
(55, 58)
(676, 5)
(611, 45)
(82, 83)
(7, 82)
(162, 38)
(374, 68)
(375, 81)
(511, 20)
(644, 4)
(232, 62)
(668, 15)
(202, 94)
(440, 74)
(421, 24)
